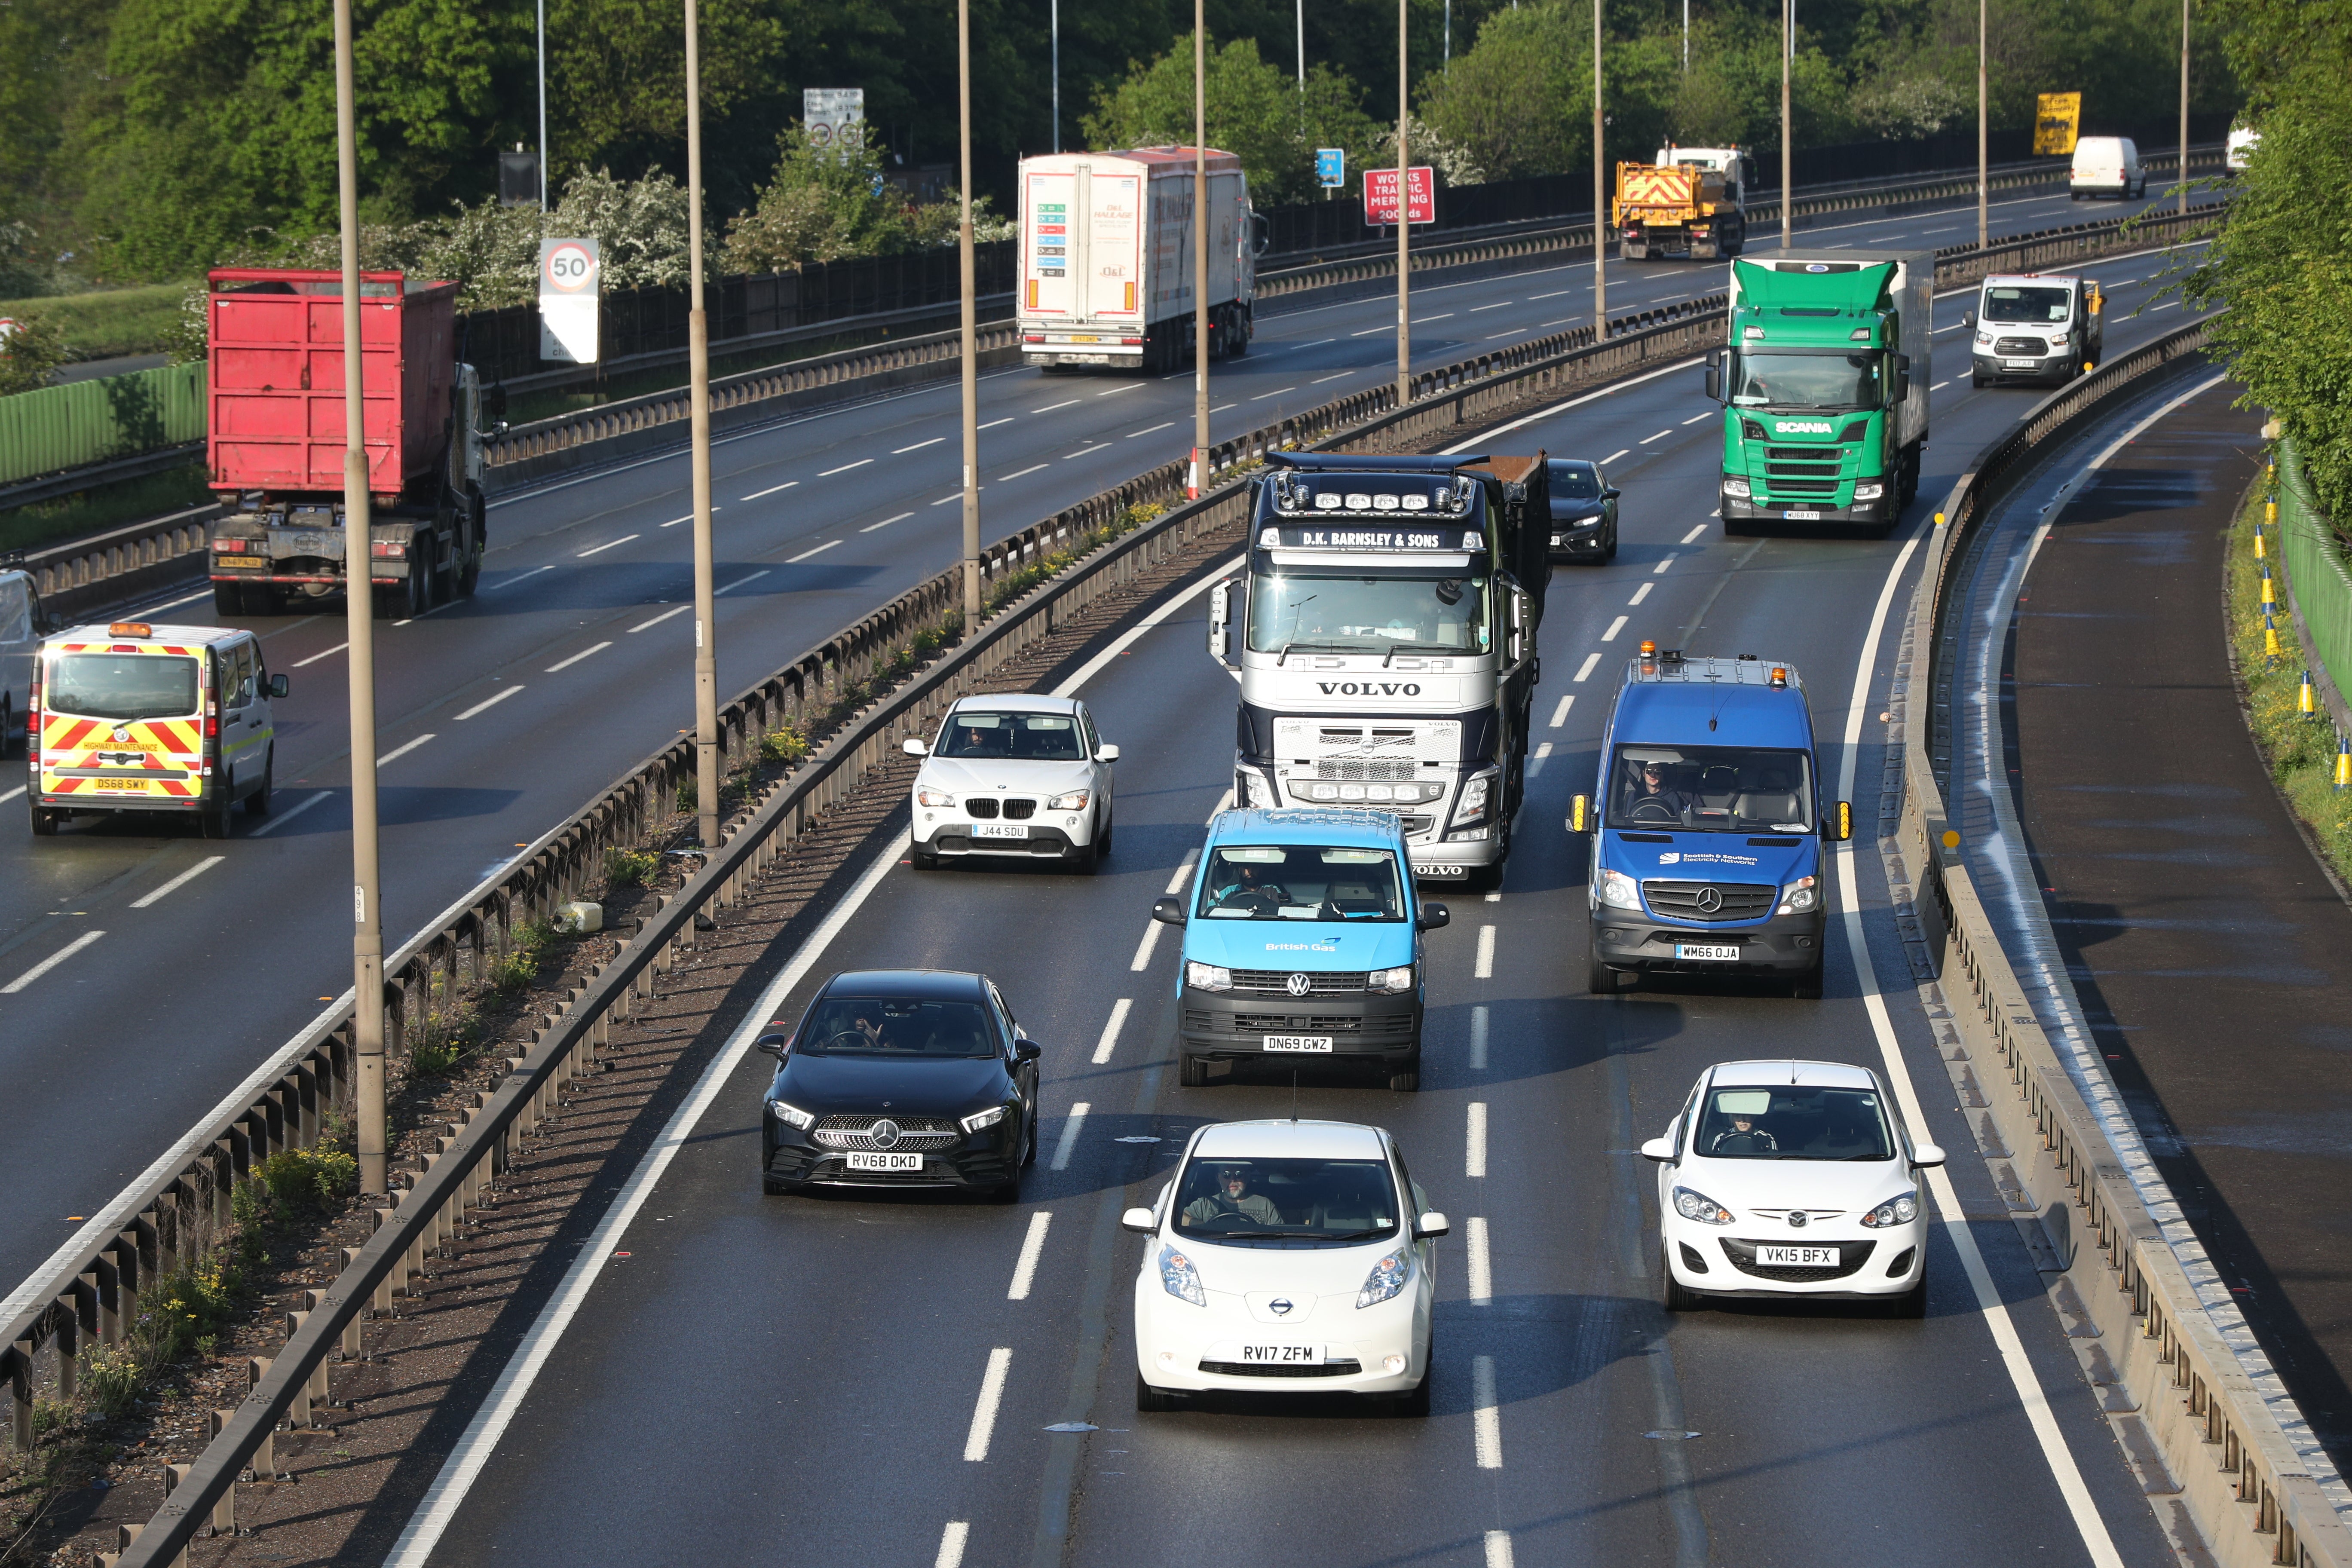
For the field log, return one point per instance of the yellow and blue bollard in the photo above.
(2307, 697)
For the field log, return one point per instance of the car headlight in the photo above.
(1697, 1205)
(1800, 897)
(793, 1115)
(1260, 792)
(1208, 976)
(1397, 979)
(1177, 1273)
(1617, 890)
(1870, 490)
(1074, 801)
(926, 796)
(1387, 1278)
(1901, 1210)
(1478, 791)
(979, 1120)
(1984, 340)
(1736, 489)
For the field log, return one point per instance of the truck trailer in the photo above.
(1107, 259)
(1691, 203)
(275, 445)
(1824, 380)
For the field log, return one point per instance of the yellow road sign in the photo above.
(2057, 120)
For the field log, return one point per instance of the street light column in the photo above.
(1403, 214)
(698, 348)
(1200, 247)
(1788, 55)
(970, 323)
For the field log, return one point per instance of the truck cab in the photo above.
(1692, 202)
(2036, 329)
(1302, 944)
(1707, 824)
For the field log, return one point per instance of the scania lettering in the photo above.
(1825, 386)
(1390, 663)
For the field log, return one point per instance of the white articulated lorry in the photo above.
(1107, 259)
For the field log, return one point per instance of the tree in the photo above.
(29, 351)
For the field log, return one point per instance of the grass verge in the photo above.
(109, 322)
(47, 522)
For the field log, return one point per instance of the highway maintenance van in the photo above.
(133, 716)
(2035, 327)
(1707, 825)
(1302, 944)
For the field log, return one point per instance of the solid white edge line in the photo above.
(1072, 1125)
(1109, 1040)
(1478, 1266)
(1033, 1246)
(2022, 1378)
(84, 940)
(485, 706)
(959, 1531)
(1486, 970)
(473, 1449)
(984, 1412)
(1473, 1139)
(281, 819)
(1487, 1424)
(184, 878)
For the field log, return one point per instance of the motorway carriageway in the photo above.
(896, 1381)
(500, 717)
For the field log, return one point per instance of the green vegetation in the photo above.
(107, 322)
(44, 523)
(307, 1181)
(527, 946)
(630, 867)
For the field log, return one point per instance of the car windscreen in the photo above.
(1711, 789)
(1573, 482)
(2007, 304)
(121, 685)
(1014, 736)
(1291, 882)
(1789, 1123)
(1332, 1200)
(1809, 379)
(1299, 610)
(888, 1027)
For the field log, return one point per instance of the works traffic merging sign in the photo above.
(1381, 197)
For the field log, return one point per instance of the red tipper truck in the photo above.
(275, 341)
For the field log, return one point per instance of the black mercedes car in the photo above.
(902, 1078)
(1583, 511)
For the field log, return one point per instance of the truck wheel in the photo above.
(1192, 1071)
(1406, 1079)
(229, 598)
(1601, 980)
(1243, 330)
(212, 817)
(45, 822)
(1807, 986)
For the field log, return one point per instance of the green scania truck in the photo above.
(1824, 379)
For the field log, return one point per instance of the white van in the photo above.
(2242, 142)
(20, 639)
(2035, 327)
(2107, 166)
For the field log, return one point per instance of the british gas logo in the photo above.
(1369, 687)
(1802, 427)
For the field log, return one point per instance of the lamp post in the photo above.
(2180, 180)
(1200, 247)
(1788, 55)
(970, 323)
(1057, 11)
(542, 106)
(1983, 169)
(1403, 212)
(698, 349)
(1600, 224)
(371, 1135)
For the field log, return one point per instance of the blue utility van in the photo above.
(1302, 944)
(1707, 825)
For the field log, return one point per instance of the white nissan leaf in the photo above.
(1016, 775)
(1789, 1178)
(1286, 1256)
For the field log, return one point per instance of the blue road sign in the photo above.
(1331, 166)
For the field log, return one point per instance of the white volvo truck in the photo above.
(1386, 645)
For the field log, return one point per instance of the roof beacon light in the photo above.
(1779, 675)
(130, 629)
(1649, 648)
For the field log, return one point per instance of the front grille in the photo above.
(1803, 487)
(1276, 982)
(1295, 1024)
(1370, 772)
(1851, 1256)
(1262, 1369)
(2022, 348)
(1801, 454)
(1737, 901)
(1019, 810)
(916, 1133)
(979, 805)
(1782, 471)
(861, 1122)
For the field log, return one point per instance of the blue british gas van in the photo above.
(1707, 825)
(1302, 944)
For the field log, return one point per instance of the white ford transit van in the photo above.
(2107, 166)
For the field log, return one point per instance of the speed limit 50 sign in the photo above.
(570, 282)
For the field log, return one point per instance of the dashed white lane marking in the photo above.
(1442, 316)
(740, 582)
(521, 575)
(1498, 1549)
(796, 560)
(1485, 952)
(1066, 403)
(1370, 331)
(844, 467)
(83, 941)
(1615, 455)
(1277, 392)
(288, 814)
(983, 1413)
(329, 653)
(1939, 386)
(609, 545)
(1495, 897)
(1560, 714)
(1480, 1269)
(943, 500)
(488, 703)
(1659, 437)
(886, 522)
(1474, 1146)
(1086, 452)
(952, 1539)
(1143, 949)
(770, 490)
(1553, 295)
(1693, 536)
(1660, 569)
(902, 451)
(1486, 1422)
(575, 659)
(1069, 1141)
(658, 620)
(182, 880)
(1339, 375)
(1614, 627)
(994, 423)
(1033, 1246)
(1697, 417)
(397, 753)
(1640, 593)
(1584, 669)
(1478, 1038)
(673, 522)
(1221, 407)
(1109, 1041)
(12, 794)
(1019, 473)
(1475, 308)
(1152, 429)
(1183, 871)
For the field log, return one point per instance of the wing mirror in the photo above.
(1714, 379)
(278, 686)
(773, 1046)
(1968, 321)
(1926, 1157)
(1433, 917)
(915, 748)
(1902, 378)
(1169, 911)
(1662, 1150)
(1027, 1050)
(1220, 599)
(1106, 753)
(1430, 1226)
(1611, 493)
(1139, 1221)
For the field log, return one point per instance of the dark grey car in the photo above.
(1583, 512)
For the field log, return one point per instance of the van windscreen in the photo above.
(1711, 789)
(121, 686)
(1300, 883)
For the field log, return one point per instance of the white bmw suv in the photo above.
(1014, 774)
(1789, 1178)
(1286, 1256)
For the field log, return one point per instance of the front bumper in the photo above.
(1051, 834)
(1721, 1260)
(1437, 854)
(1779, 945)
(2056, 369)
(977, 1162)
(1582, 537)
(1186, 1348)
(1885, 509)
(1219, 1025)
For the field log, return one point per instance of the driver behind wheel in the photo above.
(1650, 788)
(1232, 1198)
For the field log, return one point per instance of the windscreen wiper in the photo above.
(1326, 647)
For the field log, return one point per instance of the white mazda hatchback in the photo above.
(1286, 1256)
(1788, 1178)
(1014, 774)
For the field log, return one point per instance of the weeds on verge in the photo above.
(630, 867)
(2300, 749)
(519, 965)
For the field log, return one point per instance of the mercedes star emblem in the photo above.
(885, 1133)
(1279, 1306)
(1300, 984)
(1797, 1219)
(1708, 900)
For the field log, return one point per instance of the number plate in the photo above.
(1283, 1356)
(127, 784)
(2020, 364)
(1000, 831)
(1713, 952)
(859, 1160)
(246, 562)
(1298, 1043)
(1771, 1256)
(1802, 516)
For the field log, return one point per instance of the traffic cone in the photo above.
(2343, 762)
(2270, 594)
(2258, 551)
(2307, 697)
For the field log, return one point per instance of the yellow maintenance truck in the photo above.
(1691, 203)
